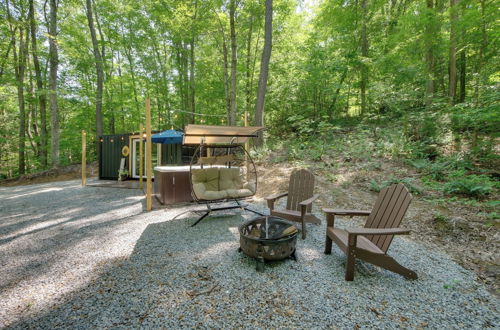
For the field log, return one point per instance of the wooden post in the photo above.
(247, 145)
(141, 156)
(246, 124)
(84, 158)
(149, 158)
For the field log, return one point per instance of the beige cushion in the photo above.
(220, 183)
(250, 186)
(230, 178)
(238, 193)
(200, 191)
(208, 176)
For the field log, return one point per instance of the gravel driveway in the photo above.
(90, 257)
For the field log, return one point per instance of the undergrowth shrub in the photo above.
(470, 185)
(441, 167)
(408, 182)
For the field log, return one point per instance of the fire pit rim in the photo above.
(267, 240)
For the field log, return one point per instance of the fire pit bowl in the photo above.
(268, 238)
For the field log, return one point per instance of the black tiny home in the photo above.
(111, 152)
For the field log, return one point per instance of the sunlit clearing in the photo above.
(35, 192)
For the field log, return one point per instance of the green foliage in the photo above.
(470, 185)
(441, 167)
(313, 101)
(408, 182)
(440, 218)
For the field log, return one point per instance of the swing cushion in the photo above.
(209, 177)
(220, 183)
(229, 178)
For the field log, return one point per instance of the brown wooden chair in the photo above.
(299, 201)
(372, 242)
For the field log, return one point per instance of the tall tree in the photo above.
(429, 36)
(192, 99)
(42, 95)
(364, 55)
(452, 81)
(99, 69)
(19, 57)
(234, 61)
(264, 69)
(54, 64)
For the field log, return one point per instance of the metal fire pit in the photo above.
(268, 238)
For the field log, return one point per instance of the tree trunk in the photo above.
(20, 74)
(42, 96)
(19, 63)
(462, 73)
(54, 63)
(364, 53)
(234, 62)
(99, 71)
(122, 110)
(264, 70)
(248, 89)
(192, 103)
(337, 93)
(226, 79)
(32, 125)
(429, 52)
(5, 58)
(452, 81)
(482, 52)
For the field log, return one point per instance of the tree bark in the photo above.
(20, 75)
(429, 53)
(452, 81)
(192, 102)
(248, 89)
(462, 74)
(42, 96)
(234, 61)
(331, 109)
(54, 63)
(19, 64)
(482, 52)
(264, 70)
(364, 53)
(226, 79)
(99, 70)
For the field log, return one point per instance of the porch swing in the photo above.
(221, 170)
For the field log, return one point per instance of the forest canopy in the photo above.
(430, 68)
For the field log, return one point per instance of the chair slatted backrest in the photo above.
(388, 211)
(301, 187)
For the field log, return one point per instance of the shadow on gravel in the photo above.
(39, 228)
(171, 265)
(183, 277)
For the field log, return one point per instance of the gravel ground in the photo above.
(90, 257)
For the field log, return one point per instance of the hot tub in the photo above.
(172, 185)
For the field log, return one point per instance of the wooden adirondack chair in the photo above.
(299, 202)
(372, 242)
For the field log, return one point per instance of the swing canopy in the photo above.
(208, 134)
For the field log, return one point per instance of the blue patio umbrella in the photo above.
(170, 136)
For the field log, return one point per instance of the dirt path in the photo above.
(459, 231)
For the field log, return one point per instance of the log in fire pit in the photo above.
(268, 238)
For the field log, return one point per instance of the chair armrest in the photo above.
(346, 212)
(275, 196)
(377, 231)
(272, 198)
(309, 201)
